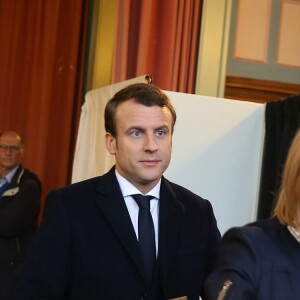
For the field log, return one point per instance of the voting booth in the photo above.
(217, 149)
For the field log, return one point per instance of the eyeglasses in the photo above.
(4, 148)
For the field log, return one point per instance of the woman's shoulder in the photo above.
(256, 230)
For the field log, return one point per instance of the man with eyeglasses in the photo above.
(20, 192)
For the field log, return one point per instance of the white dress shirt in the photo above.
(8, 177)
(127, 190)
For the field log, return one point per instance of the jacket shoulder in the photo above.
(257, 236)
(29, 175)
(185, 195)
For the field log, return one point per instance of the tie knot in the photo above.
(142, 201)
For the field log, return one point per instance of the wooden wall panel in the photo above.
(252, 30)
(289, 34)
(255, 90)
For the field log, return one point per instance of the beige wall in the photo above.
(257, 39)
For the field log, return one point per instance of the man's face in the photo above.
(11, 153)
(143, 145)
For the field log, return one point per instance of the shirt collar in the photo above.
(129, 189)
(11, 174)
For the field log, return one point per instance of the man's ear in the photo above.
(110, 143)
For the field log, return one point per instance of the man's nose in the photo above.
(150, 144)
(8, 150)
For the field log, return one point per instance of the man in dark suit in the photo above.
(20, 192)
(91, 244)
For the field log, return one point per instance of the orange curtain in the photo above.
(40, 74)
(158, 37)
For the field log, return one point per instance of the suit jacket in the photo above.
(19, 209)
(86, 247)
(262, 260)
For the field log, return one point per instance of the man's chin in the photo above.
(148, 180)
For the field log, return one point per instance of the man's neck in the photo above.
(5, 171)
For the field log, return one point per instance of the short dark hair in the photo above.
(143, 93)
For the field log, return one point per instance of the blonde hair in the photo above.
(288, 201)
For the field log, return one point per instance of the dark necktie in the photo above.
(146, 235)
(3, 187)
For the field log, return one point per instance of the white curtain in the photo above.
(91, 157)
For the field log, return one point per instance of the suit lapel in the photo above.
(170, 220)
(113, 207)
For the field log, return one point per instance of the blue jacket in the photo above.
(262, 262)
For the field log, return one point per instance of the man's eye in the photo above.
(135, 133)
(160, 132)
